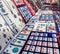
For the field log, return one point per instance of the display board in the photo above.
(6, 15)
(5, 34)
(15, 15)
(45, 24)
(25, 13)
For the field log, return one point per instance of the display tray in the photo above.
(41, 43)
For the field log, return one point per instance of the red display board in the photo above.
(31, 2)
(29, 6)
